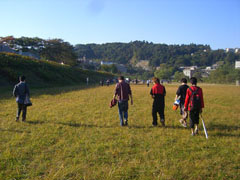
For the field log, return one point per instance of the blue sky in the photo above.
(212, 22)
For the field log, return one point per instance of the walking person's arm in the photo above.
(130, 94)
(116, 91)
(186, 101)
(202, 102)
(15, 91)
(131, 99)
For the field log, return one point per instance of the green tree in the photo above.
(178, 76)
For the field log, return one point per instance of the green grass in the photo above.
(72, 133)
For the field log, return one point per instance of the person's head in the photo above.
(193, 81)
(155, 80)
(22, 78)
(120, 78)
(184, 80)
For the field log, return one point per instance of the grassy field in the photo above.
(72, 133)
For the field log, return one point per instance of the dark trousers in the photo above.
(123, 112)
(22, 108)
(157, 108)
(193, 118)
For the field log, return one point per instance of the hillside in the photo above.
(44, 73)
(156, 54)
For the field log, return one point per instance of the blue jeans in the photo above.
(123, 112)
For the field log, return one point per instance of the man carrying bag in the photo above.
(21, 92)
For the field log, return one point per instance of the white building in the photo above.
(237, 65)
(189, 71)
(106, 63)
(229, 50)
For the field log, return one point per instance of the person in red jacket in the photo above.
(158, 93)
(194, 104)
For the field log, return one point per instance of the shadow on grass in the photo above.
(219, 134)
(76, 125)
(35, 122)
(222, 127)
(15, 131)
(71, 124)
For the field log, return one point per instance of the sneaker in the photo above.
(17, 119)
(23, 120)
(154, 124)
(193, 134)
(184, 123)
(126, 123)
(163, 122)
(196, 131)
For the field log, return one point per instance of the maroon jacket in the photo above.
(123, 91)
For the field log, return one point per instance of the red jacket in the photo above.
(188, 96)
(158, 89)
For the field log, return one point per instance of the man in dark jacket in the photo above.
(181, 95)
(158, 93)
(194, 104)
(20, 91)
(123, 92)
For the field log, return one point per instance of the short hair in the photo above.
(156, 80)
(121, 77)
(184, 80)
(193, 80)
(22, 78)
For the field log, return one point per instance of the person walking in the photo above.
(108, 82)
(194, 104)
(148, 82)
(181, 95)
(123, 92)
(87, 79)
(158, 93)
(20, 91)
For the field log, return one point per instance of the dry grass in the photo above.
(75, 135)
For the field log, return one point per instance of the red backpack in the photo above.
(195, 101)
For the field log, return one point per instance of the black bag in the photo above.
(195, 101)
(27, 101)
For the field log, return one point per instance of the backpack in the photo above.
(195, 101)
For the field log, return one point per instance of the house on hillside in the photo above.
(106, 63)
(237, 64)
(5, 48)
(29, 54)
(189, 71)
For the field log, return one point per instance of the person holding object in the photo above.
(123, 92)
(21, 91)
(181, 95)
(158, 93)
(194, 104)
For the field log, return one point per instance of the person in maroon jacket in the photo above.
(123, 92)
(158, 93)
(194, 104)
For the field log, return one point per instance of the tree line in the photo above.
(168, 57)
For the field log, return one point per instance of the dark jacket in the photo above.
(182, 90)
(123, 91)
(20, 91)
(158, 92)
